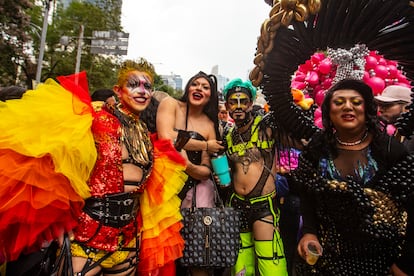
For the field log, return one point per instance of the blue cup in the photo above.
(221, 169)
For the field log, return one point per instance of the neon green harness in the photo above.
(253, 142)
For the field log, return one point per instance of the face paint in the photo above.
(139, 84)
(135, 94)
(238, 101)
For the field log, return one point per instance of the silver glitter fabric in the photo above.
(351, 63)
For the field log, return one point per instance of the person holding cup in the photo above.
(250, 146)
(312, 252)
(354, 183)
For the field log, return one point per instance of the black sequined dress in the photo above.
(359, 217)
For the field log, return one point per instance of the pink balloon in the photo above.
(325, 66)
(304, 68)
(316, 89)
(326, 84)
(392, 62)
(370, 62)
(321, 55)
(298, 85)
(319, 96)
(381, 71)
(318, 122)
(316, 58)
(401, 77)
(308, 65)
(377, 85)
(375, 54)
(312, 78)
(318, 113)
(392, 70)
(299, 76)
(382, 61)
(366, 76)
(317, 86)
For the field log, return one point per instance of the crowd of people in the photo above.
(109, 232)
(93, 184)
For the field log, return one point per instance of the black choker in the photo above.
(352, 143)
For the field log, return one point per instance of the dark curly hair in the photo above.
(149, 115)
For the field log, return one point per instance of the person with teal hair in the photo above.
(250, 147)
(247, 85)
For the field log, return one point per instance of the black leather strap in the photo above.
(257, 190)
(115, 210)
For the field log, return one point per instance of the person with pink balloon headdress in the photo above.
(351, 171)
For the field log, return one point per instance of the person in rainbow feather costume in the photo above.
(47, 153)
(113, 184)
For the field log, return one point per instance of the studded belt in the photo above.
(116, 210)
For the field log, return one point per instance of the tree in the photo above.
(159, 85)
(14, 40)
(21, 22)
(101, 70)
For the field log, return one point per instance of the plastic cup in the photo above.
(221, 169)
(313, 254)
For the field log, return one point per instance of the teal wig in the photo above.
(237, 85)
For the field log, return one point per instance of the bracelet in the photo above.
(206, 145)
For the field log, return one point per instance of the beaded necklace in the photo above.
(352, 143)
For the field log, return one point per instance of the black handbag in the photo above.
(211, 235)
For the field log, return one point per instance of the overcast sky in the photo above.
(186, 36)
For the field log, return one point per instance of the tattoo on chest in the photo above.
(242, 138)
(246, 161)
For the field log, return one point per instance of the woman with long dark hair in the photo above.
(192, 124)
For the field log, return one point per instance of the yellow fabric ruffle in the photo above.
(159, 215)
(51, 120)
(160, 209)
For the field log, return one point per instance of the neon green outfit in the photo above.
(255, 206)
(269, 254)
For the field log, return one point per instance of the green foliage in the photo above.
(62, 57)
(21, 25)
(23, 22)
(159, 85)
(14, 26)
(102, 73)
